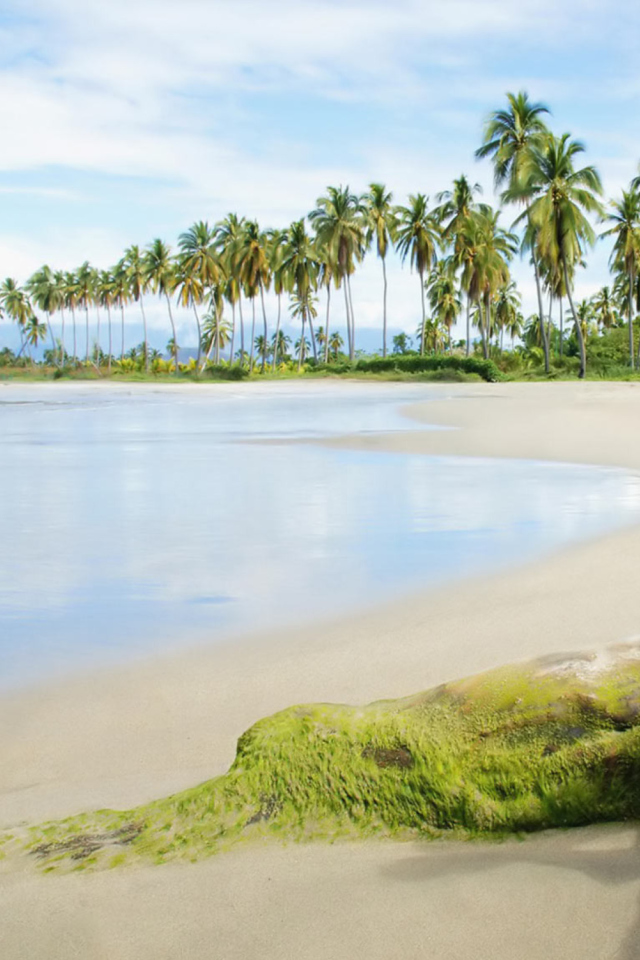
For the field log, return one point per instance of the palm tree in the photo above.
(85, 281)
(60, 283)
(15, 303)
(418, 235)
(35, 332)
(216, 332)
(624, 216)
(198, 269)
(455, 208)
(336, 343)
(300, 266)
(45, 294)
(277, 241)
(444, 300)
(253, 262)
(227, 238)
(402, 343)
(160, 277)
(70, 298)
(340, 232)
(280, 345)
(563, 197)
(303, 307)
(488, 270)
(604, 309)
(121, 294)
(507, 308)
(509, 137)
(138, 281)
(380, 224)
(106, 297)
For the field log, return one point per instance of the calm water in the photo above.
(136, 520)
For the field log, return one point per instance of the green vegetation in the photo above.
(458, 248)
(553, 743)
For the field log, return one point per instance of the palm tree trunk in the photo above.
(583, 352)
(312, 334)
(561, 328)
(486, 326)
(384, 308)
(233, 331)
(110, 337)
(75, 346)
(277, 334)
(353, 321)
(199, 357)
(121, 330)
(62, 350)
(631, 350)
(86, 312)
(326, 342)
(241, 329)
(346, 307)
(468, 325)
(545, 345)
(53, 342)
(301, 352)
(253, 333)
(424, 312)
(173, 330)
(218, 323)
(97, 363)
(264, 324)
(549, 320)
(146, 344)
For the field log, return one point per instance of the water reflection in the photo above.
(135, 523)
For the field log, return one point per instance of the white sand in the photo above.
(125, 736)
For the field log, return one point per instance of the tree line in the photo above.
(458, 248)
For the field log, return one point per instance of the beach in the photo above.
(126, 735)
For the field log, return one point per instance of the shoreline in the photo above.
(137, 732)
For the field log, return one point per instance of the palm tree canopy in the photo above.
(340, 229)
(379, 217)
(418, 233)
(624, 217)
(509, 134)
(300, 263)
(158, 268)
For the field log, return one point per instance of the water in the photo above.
(136, 520)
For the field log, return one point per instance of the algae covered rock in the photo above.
(554, 742)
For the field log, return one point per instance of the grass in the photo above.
(515, 750)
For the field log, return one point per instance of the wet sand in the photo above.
(127, 735)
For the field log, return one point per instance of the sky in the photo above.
(129, 120)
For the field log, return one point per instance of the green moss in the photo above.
(519, 749)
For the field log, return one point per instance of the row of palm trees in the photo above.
(458, 248)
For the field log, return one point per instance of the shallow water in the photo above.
(134, 520)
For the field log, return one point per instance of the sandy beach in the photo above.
(127, 735)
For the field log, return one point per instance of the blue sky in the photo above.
(127, 120)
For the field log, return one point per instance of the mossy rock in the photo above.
(551, 743)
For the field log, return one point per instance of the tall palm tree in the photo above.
(303, 308)
(160, 275)
(85, 282)
(216, 333)
(199, 268)
(45, 294)
(253, 262)
(624, 215)
(301, 265)
(121, 294)
(15, 303)
(106, 297)
(138, 282)
(488, 270)
(277, 241)
(340, 231)
(418, 236)
(509, 137)
(380, 224)
(227, 238)
(325, 278)
(455, 208)
(70, 298)
(562, 199)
